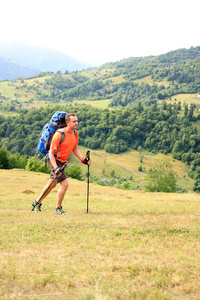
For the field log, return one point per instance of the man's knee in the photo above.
(64, 184)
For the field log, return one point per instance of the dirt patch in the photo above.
(28, 192)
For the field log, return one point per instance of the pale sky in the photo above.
(102, 31)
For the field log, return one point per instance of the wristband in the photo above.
(82, 159)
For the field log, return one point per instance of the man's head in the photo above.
(71, 121)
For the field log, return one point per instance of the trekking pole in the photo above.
(61, 169)
(88, 180)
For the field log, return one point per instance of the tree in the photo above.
(186, 110)
(196, 187)
(141, 157)
(4, 160)
(191, 111)
(161, 177)
(112, 173)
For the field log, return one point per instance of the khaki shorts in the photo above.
(53, 175)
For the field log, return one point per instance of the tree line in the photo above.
(154, 129)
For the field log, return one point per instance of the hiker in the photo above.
(57, 158)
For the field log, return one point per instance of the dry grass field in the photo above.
(131, 244)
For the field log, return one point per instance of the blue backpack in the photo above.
(57, 121)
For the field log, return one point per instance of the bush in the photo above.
(100, 182)
(36, 165)
(161, 177)
(126, 185)
(140, 168)
(75, 172)
(17, 161)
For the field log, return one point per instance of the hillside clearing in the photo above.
(150, 81)
(102, 104)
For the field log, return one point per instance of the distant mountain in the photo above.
(42, 59)
(10, 69)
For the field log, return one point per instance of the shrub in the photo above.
(36, 165)
(75, 172)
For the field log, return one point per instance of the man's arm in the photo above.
(52, 158)
(53, 162)
(79, 155)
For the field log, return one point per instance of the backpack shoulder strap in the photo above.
(62, 135)
(62, 139)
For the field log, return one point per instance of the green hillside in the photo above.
(171, 76)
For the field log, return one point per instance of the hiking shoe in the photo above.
(59, 211)
(36, 206)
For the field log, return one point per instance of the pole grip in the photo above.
(88, 154)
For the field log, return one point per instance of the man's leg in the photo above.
(41, 197)
(45, 191)
(61, 192)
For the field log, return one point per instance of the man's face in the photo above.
(73, 123)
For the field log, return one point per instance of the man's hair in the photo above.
(68, 116)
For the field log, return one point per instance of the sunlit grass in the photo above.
(116, 80)
(37, 80)
(98, 104)
(96, 73)
(150, 81)
(185, 99)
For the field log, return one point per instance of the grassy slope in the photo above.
(27, 98)
(126, 164)
(131, 245)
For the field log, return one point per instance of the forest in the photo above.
(155, 129)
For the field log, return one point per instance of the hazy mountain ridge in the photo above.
(10, 69)
(36, 60)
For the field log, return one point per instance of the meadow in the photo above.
(131, 244)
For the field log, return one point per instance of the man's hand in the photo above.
(58, 172)
(86, 161)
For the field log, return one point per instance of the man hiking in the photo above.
(57, 158)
